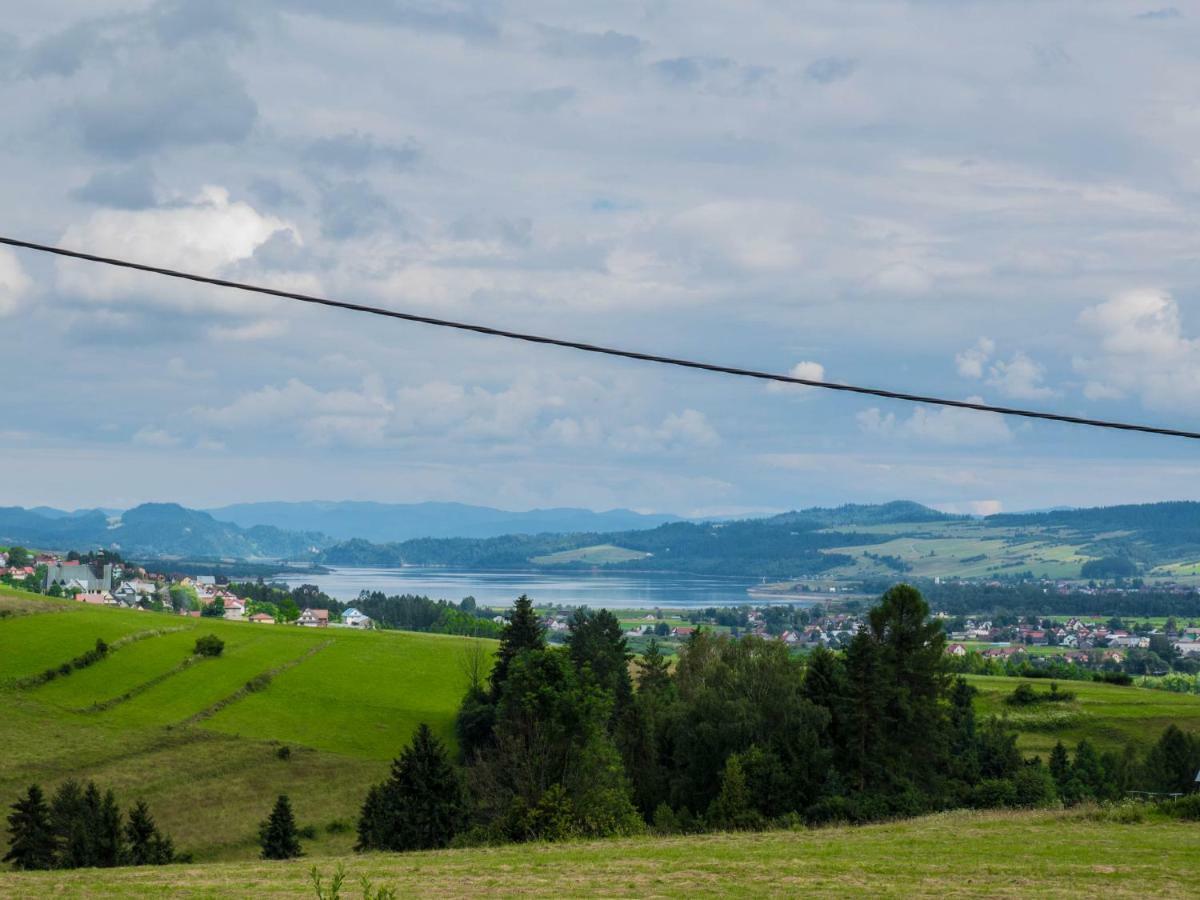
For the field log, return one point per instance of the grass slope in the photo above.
(1045, 854)
(1108, 715)
(186, 735)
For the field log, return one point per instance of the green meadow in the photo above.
(1108, 715)
(199, 738)
(1082, 852)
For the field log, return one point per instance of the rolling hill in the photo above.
(188, 736)
(152, 530)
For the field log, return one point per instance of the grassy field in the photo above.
(184, 734)
(1110, 716)
(597, 555)
(1046, 854)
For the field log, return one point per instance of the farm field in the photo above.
(188, 737)
(1047, 854)
(1110, 716)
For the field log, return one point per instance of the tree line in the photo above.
(563, 742)
(82, 828)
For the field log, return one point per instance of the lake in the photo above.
(642, 590)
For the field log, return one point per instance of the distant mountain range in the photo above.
(852, 541)
(152, 530)
(389, 522)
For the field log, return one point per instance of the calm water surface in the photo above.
(501, 588)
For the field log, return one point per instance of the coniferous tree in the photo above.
(825, 686)
(865, 757)
(1060, 765)
(277, 836)
(1172, 763)
(108, 838)
(147, 846)
(71, 818)
(31, 844)
(597, 645)
(421, 806)
(522, 632)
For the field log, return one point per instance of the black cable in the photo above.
(595, 348)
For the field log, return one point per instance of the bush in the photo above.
(1185, 808)
(284, 753)
(992, 793)
(209, 645)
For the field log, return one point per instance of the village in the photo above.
(117, 584)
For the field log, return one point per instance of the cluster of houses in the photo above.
(1085, 642)
(137, 589)
(16, 573)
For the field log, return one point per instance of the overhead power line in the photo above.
(596, 348)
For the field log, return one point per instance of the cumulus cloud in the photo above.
(14, 283)
(205, 234)
(971, 361)
(809, 370)
(1142, 350)
(1020, 377)
(945, 425)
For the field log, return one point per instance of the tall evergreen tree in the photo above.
(147, 846)
(1172, 763)
(597, 645)
(654, 670)
(31, 843)
(825, 686)
(522, 632)
(71, 818)
(108, 837)
(1060, 765)
(421, 806)
(865, 757)
(277, 836)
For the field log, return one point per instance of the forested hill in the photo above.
(1161, 539)
(151, 530)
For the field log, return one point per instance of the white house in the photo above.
(314, 618)
(355, 619)
(234, 608)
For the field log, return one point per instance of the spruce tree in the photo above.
(31, 844)
(522, 632)
(71, 820)
(865, 757)
(1060, 765)
(277, 835)
(147, 845)
(108, 838)
(421, 806)
(654, 671)
(597, 645)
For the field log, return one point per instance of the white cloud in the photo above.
(1142, 351)
(971, 361)
(971, 507)
(14, 283)
(1020, 378)
(808, 370)
(686, 429)
(254, 331)
(205, 234)
(946, 425)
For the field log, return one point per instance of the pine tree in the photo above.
(421, 806)
(865, 757)
(654, 671)
(597, 644)
(147, 845)
(732, 808)
(1060, 765)
(277, 835)
(522, 632)
(31, 843)
(108, 838)
(71, 825)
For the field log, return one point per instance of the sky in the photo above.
(972, 200)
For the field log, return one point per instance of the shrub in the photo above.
(284, 753)
(209, 645)
(1185, 808)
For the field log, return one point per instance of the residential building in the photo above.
(314, 618)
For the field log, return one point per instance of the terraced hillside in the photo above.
(198, 738)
